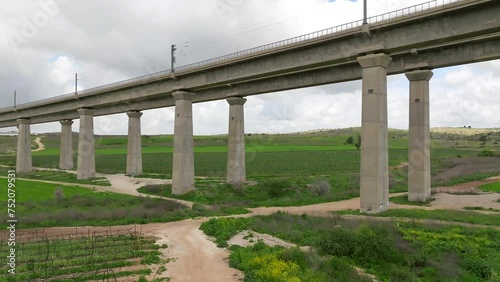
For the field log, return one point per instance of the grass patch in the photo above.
(269, 192)
(444, 215)
(39, 205)
(481, 209)
(62, 176)
(491, 187)
(403, 200)
(224, 228)
(470, 178)
(97, 257)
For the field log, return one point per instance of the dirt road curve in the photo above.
(40, 145)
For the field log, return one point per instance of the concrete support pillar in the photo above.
(23, 159)
(236, 173)
(183, 162)
(419, 160)
(66, 152)
(374, 140)
(134, 148)
(86, 151)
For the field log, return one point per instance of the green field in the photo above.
(99, 256)
(43, 205)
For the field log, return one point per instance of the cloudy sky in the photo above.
(43, 43)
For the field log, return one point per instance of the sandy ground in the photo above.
(194, 257)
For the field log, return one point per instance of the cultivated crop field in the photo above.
(81, 256)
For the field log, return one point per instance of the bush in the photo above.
(367, 245)
(277, 187)
(339, 242)
(485, 153)
(199, 208)
(295, 255)
(373, 244)
(321, 188)
(59, 194)
(478, 267)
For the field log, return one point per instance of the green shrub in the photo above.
(338, 242)
(277, 187)
(400, 274)
(295, 255)
(373, 244)
(485, 153)
(224, 228)
(478, 267)
(367, 245)
(199, 208)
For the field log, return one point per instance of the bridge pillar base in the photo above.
(236, 172)
(183, 161)
(419, 161)
(86, 151)
(374, 146)
(134, 146)
(66, 154)
(23, 158)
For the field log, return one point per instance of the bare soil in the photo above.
(462, 167)
(40, 145)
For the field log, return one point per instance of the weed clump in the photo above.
(224, 228)
(277, 187)
(485, 153)
(59, 195)
(321, 188)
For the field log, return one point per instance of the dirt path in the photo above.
(40, 145)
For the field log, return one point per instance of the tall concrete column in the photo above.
(419, 160)
(23, 158)
(86, 151)
(134, 147)
(374, 140)
(236, 173)
(183, 162)
(66, 152)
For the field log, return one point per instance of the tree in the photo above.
(358, 143)
(483, 138)
(349, 140)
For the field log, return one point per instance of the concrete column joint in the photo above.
(418, 75)
(134, 114)
(374, 60)
(236, 101)
(183, 95)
